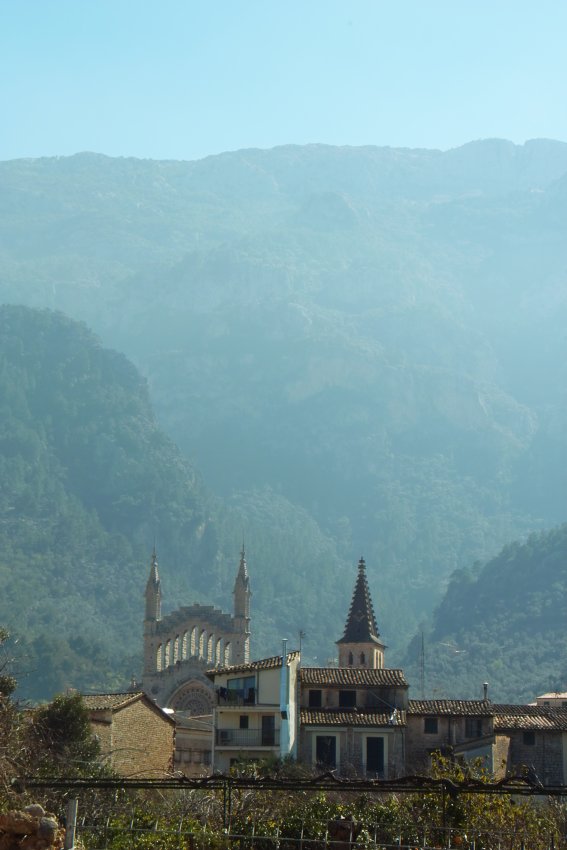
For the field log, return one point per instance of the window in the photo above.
(430, 725)
(243, 721)
(268, 730)
(315, 699)
(326, 751)
(347, 699)
(473, 727)
(375, 756)
(529, 738)
(244, 690)
(362, 659)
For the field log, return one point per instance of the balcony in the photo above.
(236, 697)
(247, 738)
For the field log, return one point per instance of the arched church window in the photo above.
(194, 641)
(202, 643)
(218, 652)
(167, 655)
(159, 658)
(184, 643)
(210, 648)
(176, 649)
(227, 653)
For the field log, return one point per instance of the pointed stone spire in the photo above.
(241, 590)
(360, 645)
(153, 591)
(242, 594)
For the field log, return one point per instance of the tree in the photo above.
(63, 738)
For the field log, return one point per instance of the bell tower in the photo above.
(360, 645)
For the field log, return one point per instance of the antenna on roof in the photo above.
(422, 667)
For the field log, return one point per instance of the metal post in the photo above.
(71, 823)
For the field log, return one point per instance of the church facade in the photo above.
(181, 646)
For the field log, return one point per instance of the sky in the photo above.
(183, 79)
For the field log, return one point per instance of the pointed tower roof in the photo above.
(153, 579)
(242, 574)
(153, 591)
(361, 623)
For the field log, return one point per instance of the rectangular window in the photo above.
(430, 725)
(243, 721)
(375, 756)
(326, 751)
(529, 737)
(242, 691)
(268, 730)
(315, 699)
(347, 699)
(473, 727)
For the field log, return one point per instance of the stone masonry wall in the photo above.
(143, 741)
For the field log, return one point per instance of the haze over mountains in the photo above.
(360, 349)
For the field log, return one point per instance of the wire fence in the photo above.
(165, 835)
(211, 814)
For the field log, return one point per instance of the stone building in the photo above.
(137, 738)
(353, 717)
(457, 728)
(181, 646)
(532, 739)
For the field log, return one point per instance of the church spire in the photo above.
(360, 645)
(241, 590)
(242, 594)
(153, 590)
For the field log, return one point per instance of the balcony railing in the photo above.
(247, 737)
(229, 696)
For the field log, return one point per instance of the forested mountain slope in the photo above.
(88, 483)
(368, 339)
(503, 623)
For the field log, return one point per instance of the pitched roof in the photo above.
(554, 695)
(252, 666)
(115, 702)
(350, 717)
(361, 623)
(351, 676)
(510, 717)
(106, 702)
(451, 707)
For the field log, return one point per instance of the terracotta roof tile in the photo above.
(350, 717)
(333, 676)
(104, 702)
(455, 707)
(509, 717)
(251, 666)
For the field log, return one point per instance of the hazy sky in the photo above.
(182, 79)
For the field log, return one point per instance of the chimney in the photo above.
(485, 689)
